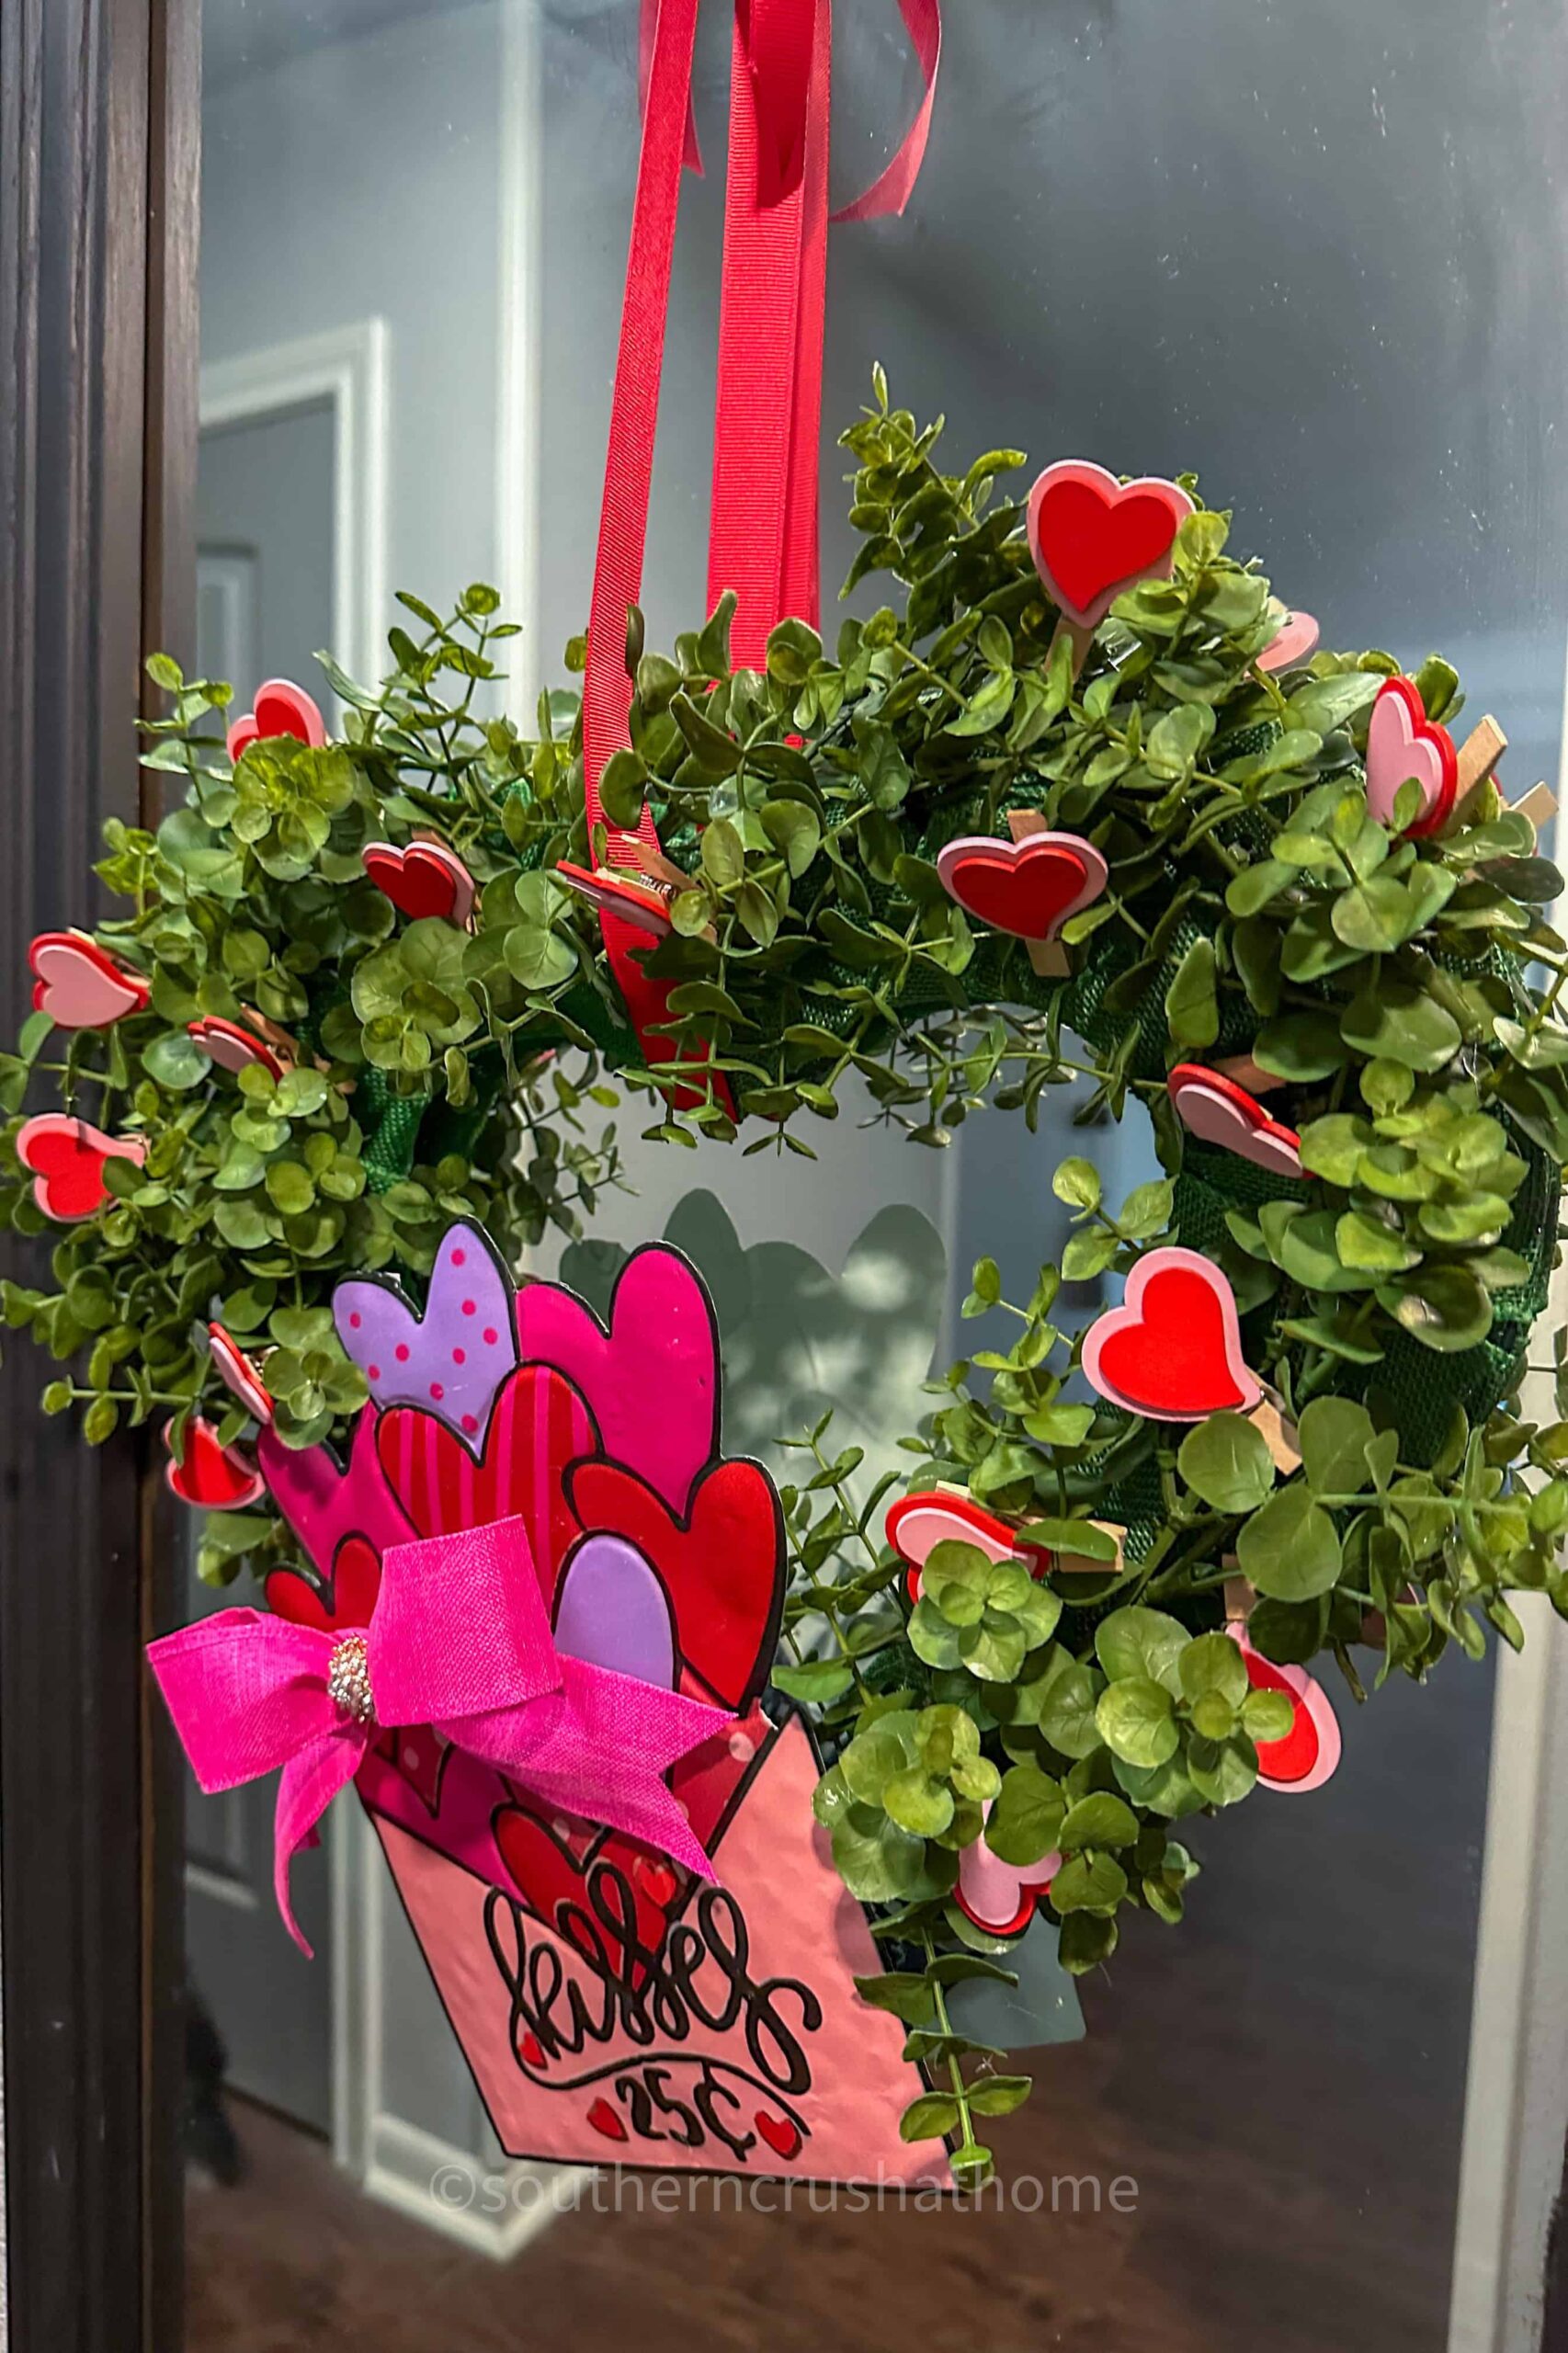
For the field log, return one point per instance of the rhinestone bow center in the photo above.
(348, 1678)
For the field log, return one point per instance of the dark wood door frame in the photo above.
(100, 133)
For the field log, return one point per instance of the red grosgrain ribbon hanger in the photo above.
(764, 539)
(629, 472)
(767, 427)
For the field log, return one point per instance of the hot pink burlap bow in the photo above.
(460, 1639)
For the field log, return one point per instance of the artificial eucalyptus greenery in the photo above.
(1400, 990)
(419, 1090)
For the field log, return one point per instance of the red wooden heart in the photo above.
(427, 878)
(1173, 1350)
(281, 709)
(782, 2137)
(212, 1477)
(722, 1567)
(538, 1425)
(346, 1599)
(603, 2118)
(66, 1157)
(1091, 536)
(1028, 888)
(549, 1870)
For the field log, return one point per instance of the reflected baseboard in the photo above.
(498, 2209)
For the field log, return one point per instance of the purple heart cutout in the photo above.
(613, 1611)
(449, 1361)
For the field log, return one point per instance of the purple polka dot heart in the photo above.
(450, 1360)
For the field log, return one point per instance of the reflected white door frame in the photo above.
(1515, 2115)
(346, 368)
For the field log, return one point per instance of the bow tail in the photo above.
(309, 1782)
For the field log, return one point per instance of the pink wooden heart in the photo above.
(1091, 536)
(281, 709)
(79, 984)
(1028, 888)
(66, 1157)
(1402, 741)
(918, 1523)
(1294, 640)
(237, 1374)
(998, 1896)
(233, 1048)
(1172, 1350)
(1215, 1110)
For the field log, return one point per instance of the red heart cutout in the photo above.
(1028, 888)
(66, 1157)
(281, 709)
(531, 2050)
(722, 1567)
(80, 985)
(603, 2118)
(782, 2137)
(549, 1870)
(212, 1477)
(1091, 536)
(539, 1423)
(346, 1599)
(427, 878)
(1173, 1350)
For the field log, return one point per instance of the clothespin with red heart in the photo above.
(1093, 536)
(1029, 886)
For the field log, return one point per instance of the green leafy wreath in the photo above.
(1254, 912)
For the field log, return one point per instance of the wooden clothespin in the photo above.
(1240, 1596)
(1248, 1074)
(1277, 1433)
(1478, 756)
(1539, 805)
(1049, 956)
(1080, 1563)
(1078, 638)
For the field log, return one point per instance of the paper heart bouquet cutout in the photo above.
(1092, 535)
(656, 1956)
(1028, 888)
(1172, 1350)
(1215, 1110)
(1403, 743)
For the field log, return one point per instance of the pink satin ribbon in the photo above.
(459, 1639)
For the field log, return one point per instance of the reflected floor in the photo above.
(1258, 2245)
